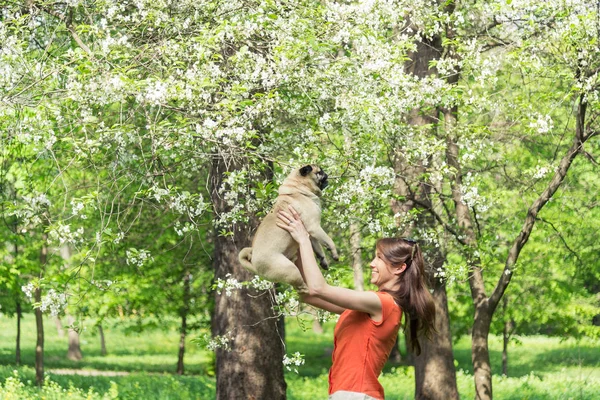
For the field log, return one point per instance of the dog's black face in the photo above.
(322, 179)
(317, 174)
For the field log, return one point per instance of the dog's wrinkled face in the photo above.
(316, 174)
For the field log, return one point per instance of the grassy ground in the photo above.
(539, 368)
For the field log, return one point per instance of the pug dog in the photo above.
(274, 252)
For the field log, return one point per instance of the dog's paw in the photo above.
(335, 256)
(324, 263)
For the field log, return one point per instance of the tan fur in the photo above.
(273, 250)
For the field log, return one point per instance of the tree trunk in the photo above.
(182, 334)
(484, 306)
(183, 313)
(480, 355)
(19, 313)
(506, 334)
(505, 337)
(74, 352)
(281, 327)
(39, 345)
(39, 322)
(435, 372)
(251, 368)
(281, 321)
(18, 344)
(102, 340)
(59, 327)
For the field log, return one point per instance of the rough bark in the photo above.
(18, 344)
(102, 340)
(183, 314)
(252, 367)
(435, 372)
(74, 352)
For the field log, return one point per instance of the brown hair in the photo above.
(413, 296)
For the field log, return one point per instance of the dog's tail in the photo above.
(245, 258)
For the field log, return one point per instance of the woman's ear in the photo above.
(400, 269)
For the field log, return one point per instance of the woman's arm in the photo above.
(318, 288)
(315, 301)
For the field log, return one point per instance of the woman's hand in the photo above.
(291, 222)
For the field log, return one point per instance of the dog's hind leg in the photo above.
(280, 269)
(245, 258)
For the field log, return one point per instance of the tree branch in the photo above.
(446, 226)
(68, 21)
(562, 239)
(540, 202)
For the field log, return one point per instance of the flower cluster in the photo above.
(542, 124)
(138, 257)
(217, 342)
(286, 303)
(53, 301)
(62, 234)
(291, 363)
(259, 283)
(471, 196)
(28, 290)
(228, 285)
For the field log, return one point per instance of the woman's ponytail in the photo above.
(413, 296)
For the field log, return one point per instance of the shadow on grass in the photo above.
(111, 362)
(575, 356)
(528, 357)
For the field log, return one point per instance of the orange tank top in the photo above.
(361, 348)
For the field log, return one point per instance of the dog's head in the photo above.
(314, 174)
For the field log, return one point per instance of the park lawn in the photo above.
(539, 368)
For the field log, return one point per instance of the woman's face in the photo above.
(381, 272)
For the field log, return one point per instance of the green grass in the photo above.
(152, 351)
(539, 368)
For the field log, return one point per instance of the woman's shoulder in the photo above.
(388, 303)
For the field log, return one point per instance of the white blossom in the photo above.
(138, 257)
(218, 342)
(291, 363)
(229, 285)
(53, 301)
(28, 290)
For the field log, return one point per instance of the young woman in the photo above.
(367, 328)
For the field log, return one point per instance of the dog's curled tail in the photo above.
(245, 258)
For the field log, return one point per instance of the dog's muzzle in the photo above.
(324, 182)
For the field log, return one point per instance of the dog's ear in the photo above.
(305, 170)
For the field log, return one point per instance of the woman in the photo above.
(367, 328)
